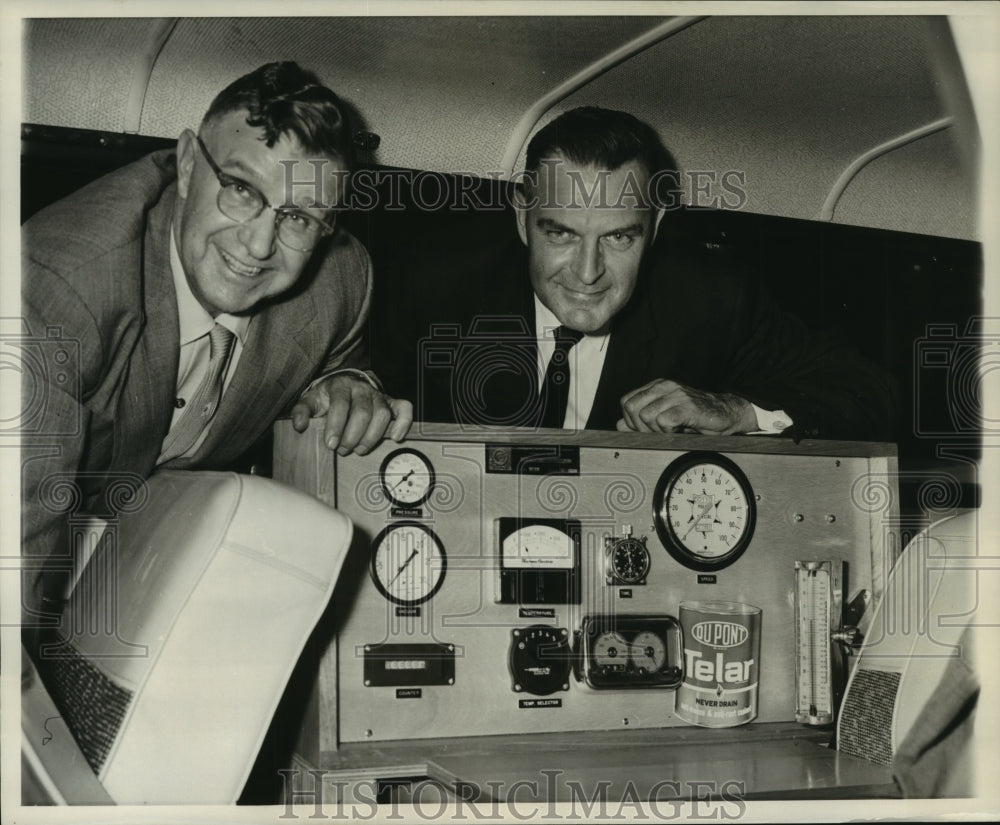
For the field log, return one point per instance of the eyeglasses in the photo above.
(240, 202)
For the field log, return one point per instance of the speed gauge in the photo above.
(704, 511)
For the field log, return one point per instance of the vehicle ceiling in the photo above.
(791, 102)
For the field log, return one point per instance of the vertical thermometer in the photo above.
(818, 610)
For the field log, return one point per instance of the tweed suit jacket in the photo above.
(100, 317)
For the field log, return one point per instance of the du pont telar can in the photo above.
(721, 663)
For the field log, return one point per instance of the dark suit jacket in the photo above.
(463, 346)
(101, 313)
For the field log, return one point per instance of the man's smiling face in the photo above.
(584, 252)
(231, 267)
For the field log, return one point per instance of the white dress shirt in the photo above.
(195, 325)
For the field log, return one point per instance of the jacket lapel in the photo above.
(146, 402)
(627, 364)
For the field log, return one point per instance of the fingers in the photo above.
(341, 404)
(654, 407)
(357, 415)
(301, 414)
(402, 412)
(665, 406)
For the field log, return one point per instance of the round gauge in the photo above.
(407, 477)
(408, 563)
(610, 649)
(629, 561)
(704, 511)
(540, 659)
(648, 652)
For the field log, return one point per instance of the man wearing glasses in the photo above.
(191, 298)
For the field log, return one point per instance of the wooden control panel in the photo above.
(479, 557)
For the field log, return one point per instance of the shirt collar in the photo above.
(195, 321)
(546, 322)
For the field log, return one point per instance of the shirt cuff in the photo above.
(366, 376)
(770, 422)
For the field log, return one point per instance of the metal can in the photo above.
(721, 663)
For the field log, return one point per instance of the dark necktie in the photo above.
(555, 388)
(201, 408)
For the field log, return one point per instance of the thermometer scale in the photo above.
(819, 636)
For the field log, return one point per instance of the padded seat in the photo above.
(910, 700)
(183, 629)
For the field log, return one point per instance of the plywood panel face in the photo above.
(808, 507)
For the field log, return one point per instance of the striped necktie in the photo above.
(202, 406)
(555, 387)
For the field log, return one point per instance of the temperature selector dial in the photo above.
(540, 659)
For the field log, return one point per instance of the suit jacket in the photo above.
(101, 319)
(464, 346)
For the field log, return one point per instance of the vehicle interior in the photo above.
(838, 157)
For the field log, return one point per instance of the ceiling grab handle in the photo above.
(534, 113)
(862, 160)
(159, 32)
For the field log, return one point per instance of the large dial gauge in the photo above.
(408, 563)
(704, 511)
(407, 477)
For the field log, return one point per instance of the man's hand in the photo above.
(357, 414)
(664, 406)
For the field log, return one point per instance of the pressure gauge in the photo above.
(408, 563)
(704, 511)
(407, 477)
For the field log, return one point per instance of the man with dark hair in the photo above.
(201, 293)
(610, 330)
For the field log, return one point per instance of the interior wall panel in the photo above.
(443, 93)
(789, 103)
(785, 102)
(78, 72)
(926, 178)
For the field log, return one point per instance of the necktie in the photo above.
(555, 387)
(202, 406)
